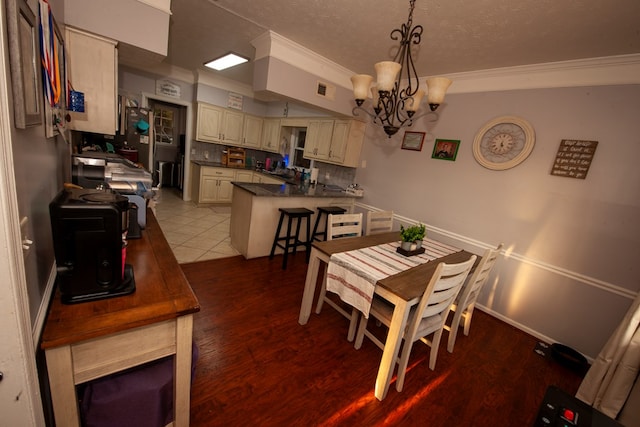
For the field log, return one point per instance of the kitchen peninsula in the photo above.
(254, 211)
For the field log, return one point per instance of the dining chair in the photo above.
(379, 222)
(340, 226)
(466, 299)
(426, 318)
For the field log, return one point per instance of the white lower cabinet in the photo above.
(212, 185)
(244, 176)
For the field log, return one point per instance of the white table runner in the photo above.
(353, 274)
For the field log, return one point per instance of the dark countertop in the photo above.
(290, 190)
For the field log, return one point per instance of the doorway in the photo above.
(169, 128)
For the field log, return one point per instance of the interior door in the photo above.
(168, 124)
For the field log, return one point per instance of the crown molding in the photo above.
(604, 71)
(613, 70)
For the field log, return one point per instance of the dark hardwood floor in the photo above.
(257, 366)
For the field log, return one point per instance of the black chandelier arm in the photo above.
(368, 113)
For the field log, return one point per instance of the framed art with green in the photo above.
(445, 149)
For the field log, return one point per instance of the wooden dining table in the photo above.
(403, 290)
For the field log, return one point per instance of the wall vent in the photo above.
(326, 90)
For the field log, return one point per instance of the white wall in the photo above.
(572, 244)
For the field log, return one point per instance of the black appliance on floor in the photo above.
(89, 237)
(560, 409)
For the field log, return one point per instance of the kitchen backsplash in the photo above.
(327, 173)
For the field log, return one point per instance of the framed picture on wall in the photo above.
(445, 149)
(22, 29)
(413, 141)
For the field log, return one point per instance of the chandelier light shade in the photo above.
(437, 87)
(396, 93)
(361, 84)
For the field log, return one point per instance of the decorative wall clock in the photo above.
(503, 143)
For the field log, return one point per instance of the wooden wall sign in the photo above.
(574, 158)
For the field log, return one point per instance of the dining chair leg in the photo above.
(402, 368)
(466, 319)
(360, 335)
(435, 344)
(453, 330)
(353, 322)
(323, 292)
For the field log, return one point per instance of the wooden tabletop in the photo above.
(162, 293)
(408, 284)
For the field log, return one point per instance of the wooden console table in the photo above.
(89, 340)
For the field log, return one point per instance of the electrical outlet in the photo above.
(193, 151)
(327, 175)
(364, 164)
(206, 155)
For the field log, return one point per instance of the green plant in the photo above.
(413, 233)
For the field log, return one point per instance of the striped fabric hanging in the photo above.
(49, 55)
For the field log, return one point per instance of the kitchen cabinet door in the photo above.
(225, 190)
(92, 63)
(209, 123)
(252, 131)
(318, 142)
(271, 135)
(346, 142)
(213, 184)
(208, 189)
(244, 176)
(339, 140)
(232, 127)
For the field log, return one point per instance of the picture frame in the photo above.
(445, 149)
(22, 31)
(413, 140)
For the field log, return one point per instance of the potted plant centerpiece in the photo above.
(412, 237)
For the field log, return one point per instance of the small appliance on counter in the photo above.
(100, 170)
(89, 230)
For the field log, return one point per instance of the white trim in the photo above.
(161, 5)
(274, 45)
(20, 402)
(613, 70)
(41, 316)
(481, 246)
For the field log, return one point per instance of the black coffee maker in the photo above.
(89, 236)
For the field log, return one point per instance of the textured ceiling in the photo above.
(459, 35)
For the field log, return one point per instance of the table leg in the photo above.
(63, 389)
(182, 373)
(309, 286)
(391, 347)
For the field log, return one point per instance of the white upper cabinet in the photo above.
(252, 131)
(318, 142)
(216, 124)
(335, 141)
(271, 135)
(92, 66)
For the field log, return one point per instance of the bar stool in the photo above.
(326, 210)
(292, 241)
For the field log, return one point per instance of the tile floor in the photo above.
(194, 233)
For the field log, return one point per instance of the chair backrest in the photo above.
(379, 222)
(444, 286)
(345, 225)
(473, 286)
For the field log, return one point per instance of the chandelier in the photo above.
(394, 106)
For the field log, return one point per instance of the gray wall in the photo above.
(572, 245)
(41, 165)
